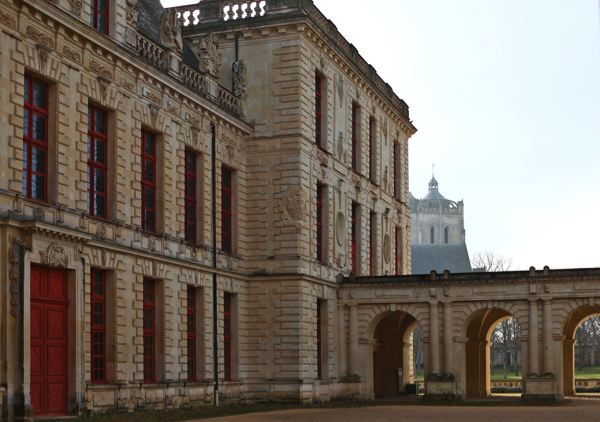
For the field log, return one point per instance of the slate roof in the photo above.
(454, 258)
(150, 13)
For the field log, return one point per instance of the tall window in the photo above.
(100, 13)
(227, 334)
(321, 190)
(98, 326)
(97, 161)
(35, 139)
(372, 243)
(191, 195)
(397, 171)
(227, 209)
(319, 339)
(149, 330)
(432, 235)
(355, 137)
(191, 333)
(149, 181)
(372, 150)
(398, 236)
(318, 109)
(446, 235)
(354, 240)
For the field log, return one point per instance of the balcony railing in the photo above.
(151, 52)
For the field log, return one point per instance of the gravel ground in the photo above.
(580, 410)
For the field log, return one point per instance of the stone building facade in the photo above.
(117, 120)
(438, 233)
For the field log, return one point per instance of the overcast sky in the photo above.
(506, 97)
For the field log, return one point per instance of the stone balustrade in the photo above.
(151, 52)
(191, 15)
(194, 80)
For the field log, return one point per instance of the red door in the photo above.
(49, 341)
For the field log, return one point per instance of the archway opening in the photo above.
(493, 354)
(581, 352)
(394, 367)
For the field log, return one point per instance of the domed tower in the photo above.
(438, 233)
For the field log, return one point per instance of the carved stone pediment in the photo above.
(210, 59)
(170, 31)
(55, 256)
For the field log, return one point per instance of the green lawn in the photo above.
(587, 373)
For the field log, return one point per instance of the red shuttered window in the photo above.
(227, 209)
(320, 232)
(318, 109)
(372, 243)
(35, 139)
(319, 340)
(372, 151)
(355, 135)
(97, 162)
(98, 326)
(191, 333)
(148, 181)
(227, 332)
(354, 240)
(100, 14)
(149, 331)
(191, 199)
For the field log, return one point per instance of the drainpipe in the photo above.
(215, 296)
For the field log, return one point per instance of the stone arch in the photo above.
(478, 322)
(517, 309)
(573, 315)
(371, 317)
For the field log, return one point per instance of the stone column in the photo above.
(341, 341)
(461, 365)
(353, 364)
(448, 349)
(534, 355)
(407, 364)
(434, 339)
(548, 337)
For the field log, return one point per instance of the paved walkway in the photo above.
(580, 410)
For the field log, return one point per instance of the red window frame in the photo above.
(372, 151)
(318, 108)
(149, 176)
(372, 241)
(149, 325)
(97, 161)
(35, 115)
(192, 337)
(319, 223)
(354, 240)
(227, 210)
(227, 335)
(319, 340)
(100, 15)
(355, 146)
(191, 195)
(395, 169)
(98, 326)
(398, 250)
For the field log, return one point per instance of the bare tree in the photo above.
(488, 261)
(588, 340)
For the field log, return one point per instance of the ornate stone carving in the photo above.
(153, 111)
(340, 228)
(100, 69)
(55, 256)
(7, 19)
(239, 79)
(14, 273)
(210, 59)
(340, 89)
(293, 206)
(71, 54)
(76, 6)
(103, 84)
(40, 36)
(131, 12)
(101, 231)
(170, 31)
(387, 248)
(38, 213)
